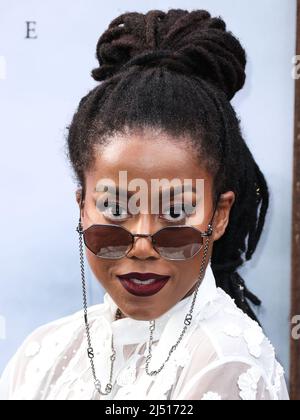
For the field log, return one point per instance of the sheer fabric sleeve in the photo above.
(5, 381)
(29, 369)
(10, 376)
(13, 377)
(234, 380)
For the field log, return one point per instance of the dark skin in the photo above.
(146, 155)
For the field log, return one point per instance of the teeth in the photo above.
(137, 281)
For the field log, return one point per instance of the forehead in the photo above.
(147, 155)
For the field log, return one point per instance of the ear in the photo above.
(221, 219)
(78, 194)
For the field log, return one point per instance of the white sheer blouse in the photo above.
(224, 355)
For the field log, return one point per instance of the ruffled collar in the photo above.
(130, 331)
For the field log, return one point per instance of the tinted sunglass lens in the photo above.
(178, 242)
(107, 241)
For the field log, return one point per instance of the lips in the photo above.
(143, 284)
(142, 276)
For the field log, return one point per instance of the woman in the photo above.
(175, 322)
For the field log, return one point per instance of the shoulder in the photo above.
(41, 351)
(233, 341)
(58, 332)
(67, 325)
(234, 335)
(229, 356)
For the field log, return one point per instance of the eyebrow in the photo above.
(177, 189)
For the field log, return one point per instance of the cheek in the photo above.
(101, 268)
(189, 271)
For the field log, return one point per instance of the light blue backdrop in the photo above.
(41, 82)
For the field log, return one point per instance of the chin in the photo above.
(139, 314)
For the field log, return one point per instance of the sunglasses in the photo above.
(111, 241)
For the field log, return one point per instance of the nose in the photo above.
(142, 247)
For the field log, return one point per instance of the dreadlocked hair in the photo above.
(178, 71)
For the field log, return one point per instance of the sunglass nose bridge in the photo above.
(136, 236)
(141, 235)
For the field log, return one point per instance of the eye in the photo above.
(178, 212)
(114, 211)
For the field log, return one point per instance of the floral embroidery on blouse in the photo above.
(277, 384)
(232, 330)
(254, 338)
(247, 383)
(211, 396)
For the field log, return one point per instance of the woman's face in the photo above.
(147, 155)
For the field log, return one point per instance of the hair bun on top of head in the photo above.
(188, 42)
